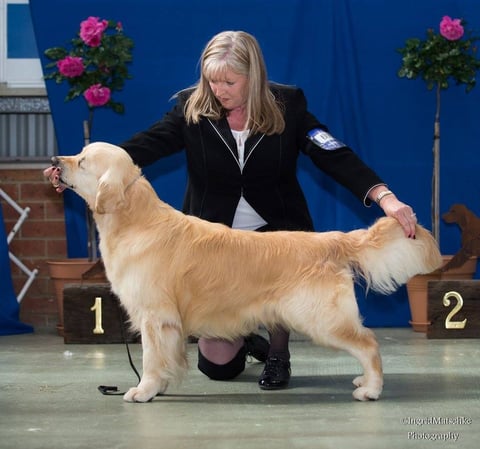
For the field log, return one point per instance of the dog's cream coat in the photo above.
(178, 275)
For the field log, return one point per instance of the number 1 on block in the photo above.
(97, 308)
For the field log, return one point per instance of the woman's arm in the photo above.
(163, 138)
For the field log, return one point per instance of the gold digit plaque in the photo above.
(97, 308)
(449, 323)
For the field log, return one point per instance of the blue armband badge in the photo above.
(324, 140)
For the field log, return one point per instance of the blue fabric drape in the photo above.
(9, 308)
(341, 52)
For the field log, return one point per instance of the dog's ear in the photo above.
(110, 193)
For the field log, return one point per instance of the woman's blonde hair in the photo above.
(237, 51)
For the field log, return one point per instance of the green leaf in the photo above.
(56, 53)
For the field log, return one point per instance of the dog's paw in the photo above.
(136, 394)
(359, 381)
(366, 394)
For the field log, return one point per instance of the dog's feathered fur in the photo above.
(178, 275)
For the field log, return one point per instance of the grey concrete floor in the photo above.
(49, 399)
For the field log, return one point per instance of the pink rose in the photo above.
(70, 66)
(91, 31)
(97, 95)
(451, 29)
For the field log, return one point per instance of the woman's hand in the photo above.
(393, 207)
(400, 211)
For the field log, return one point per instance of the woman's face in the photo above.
(230, 89)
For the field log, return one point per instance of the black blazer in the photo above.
(268, 180)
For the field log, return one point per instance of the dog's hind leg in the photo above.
(164, 360)
(364, 348)
(361, 343)
(335, 322)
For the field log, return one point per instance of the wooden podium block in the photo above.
(454, 309)
(93, 314)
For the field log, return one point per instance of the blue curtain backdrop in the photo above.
(341, 52)
(9, 307)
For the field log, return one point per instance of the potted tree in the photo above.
(95, 65)
(442, 58)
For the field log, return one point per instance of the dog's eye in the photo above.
(80, 162)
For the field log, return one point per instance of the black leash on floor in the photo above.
(111, 390)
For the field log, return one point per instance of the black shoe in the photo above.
(275, 375)
(257, 347)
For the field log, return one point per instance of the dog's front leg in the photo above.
(163, 360)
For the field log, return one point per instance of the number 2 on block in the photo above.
(449, 323)
(97, 308)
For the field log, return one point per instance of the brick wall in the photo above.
(40, 238)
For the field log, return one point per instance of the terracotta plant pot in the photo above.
(69, 271)
(418, 294)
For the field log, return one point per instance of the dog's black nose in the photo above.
(55, 161)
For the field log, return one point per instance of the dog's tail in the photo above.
(387, 259)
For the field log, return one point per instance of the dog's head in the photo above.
(100, 174)
(456, 214)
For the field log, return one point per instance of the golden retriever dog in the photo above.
(178, 275)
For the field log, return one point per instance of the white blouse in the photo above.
(246, 217)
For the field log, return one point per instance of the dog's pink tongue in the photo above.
(53, 174)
